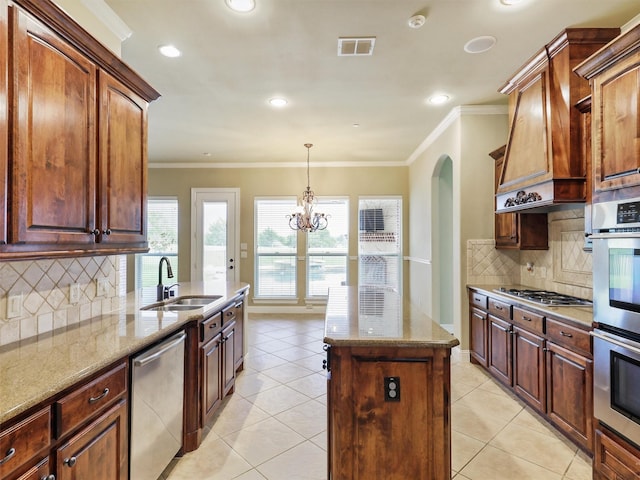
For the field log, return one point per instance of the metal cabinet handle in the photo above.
(49, 477)
(526, 318)
(70, 462)
(107, 231)
(497, 307)
(95, 232)
(229, 313)
(213, 325)
(564, 334)
(104, 393)
(10, 453)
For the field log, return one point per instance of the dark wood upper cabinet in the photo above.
(544, 158)
(123, 164)
(614, 75)
(53, 173)
(73, 139)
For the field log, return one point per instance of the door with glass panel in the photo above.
(214, 224)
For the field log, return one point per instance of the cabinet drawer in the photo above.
(529, 320)
(89, 399)
(210, 327)
(478, 300)
(229, 314)
(24, 440)
(570, 337)
(499, 309)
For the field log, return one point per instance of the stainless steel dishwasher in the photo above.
(157, 388)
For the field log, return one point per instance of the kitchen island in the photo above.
(388, 392)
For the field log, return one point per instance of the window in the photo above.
(328, 249)
(276, 268)
(162, 235)
(380, 242)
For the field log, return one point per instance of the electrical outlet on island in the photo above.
(101, 287)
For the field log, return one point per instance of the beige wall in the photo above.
(467, 137)
(276, 181)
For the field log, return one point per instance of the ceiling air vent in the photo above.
(355, 46)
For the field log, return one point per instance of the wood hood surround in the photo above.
(545, 164)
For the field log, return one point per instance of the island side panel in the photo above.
(371, 437)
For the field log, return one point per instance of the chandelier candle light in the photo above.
(304, 218)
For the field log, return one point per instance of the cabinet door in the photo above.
(238, 344)
(123, 164)
(614, 459)
(570, 393)
(99, 451)
(211, 362)
(528, 367)
(478, 338)
(616, 125)
(228, 359)
(54, 164)
(40, 471)
(500, 349)
(506, 230)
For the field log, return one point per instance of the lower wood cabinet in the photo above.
(98, 451)
(372, 436)
(228, 356)
(83, 434)
(43, 470)
(211, 361)
(547, 362)
(570, 393)
(614, 458)
(529, 368)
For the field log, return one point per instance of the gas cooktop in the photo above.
(544, 297)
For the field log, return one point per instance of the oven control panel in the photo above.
(628, 212)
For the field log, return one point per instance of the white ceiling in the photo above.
(214, 97)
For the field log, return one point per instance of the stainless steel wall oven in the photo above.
(616, 308)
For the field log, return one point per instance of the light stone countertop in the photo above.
(34, 370)
(375, 317)
(580, 316)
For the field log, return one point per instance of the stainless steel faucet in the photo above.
(161, 293)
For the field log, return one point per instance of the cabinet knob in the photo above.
(107, 231)
(213, 325)
(95, 232)
(49, 477)
(70, 462)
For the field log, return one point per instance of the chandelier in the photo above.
(304, 218)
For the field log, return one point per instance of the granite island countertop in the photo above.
(581, 316)
(377, 317)
(35, 369)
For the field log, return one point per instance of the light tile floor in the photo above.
(274, 426)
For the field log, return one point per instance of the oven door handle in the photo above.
(633, 346)
(608, 236)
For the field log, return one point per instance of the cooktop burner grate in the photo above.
(545, 297)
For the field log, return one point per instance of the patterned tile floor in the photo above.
(274, 426)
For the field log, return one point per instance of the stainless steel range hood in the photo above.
(545, 165)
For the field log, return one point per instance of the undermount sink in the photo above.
(171, 307)
(200, 301)
(181, 304)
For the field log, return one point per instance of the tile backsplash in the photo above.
(38, 293)
(564, 268)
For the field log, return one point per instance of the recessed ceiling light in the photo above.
(169, 51)
(480, 44)
(277, 102)
(438, 99)
(241, 5)
(356, 125)
(510, 2)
